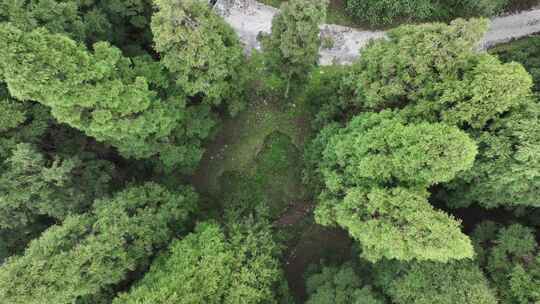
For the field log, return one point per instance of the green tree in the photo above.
(434, 73)
(102, 94)
(511, 257)
(208, 266)
(292, 49)
(32, 185)
(20, 122)
(507, 169)
(339, 285)
(200, 50)
(84, 257)
(375, 172)
(525, 51)
(431, 282)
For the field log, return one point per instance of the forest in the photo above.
(147, 158)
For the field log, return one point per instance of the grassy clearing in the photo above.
(257, 155)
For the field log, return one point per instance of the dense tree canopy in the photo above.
(511, 257)
(339, 285)
(55, 188)
(102, 94)
(431, 282)
(207, 266)
(375, 173)
(201, 50)
(406, 153)
(87, 255)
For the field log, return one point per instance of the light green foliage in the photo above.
(375, 172)
(101, 94)
(512, 259)
(430, 282)
(396, 223)
(381, 149)
(292, 49)
(387, 11)
(33, 185)
(88, 254)
(209, 267)
(200, 50)
(339, 285)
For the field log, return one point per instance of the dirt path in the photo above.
(249, 18)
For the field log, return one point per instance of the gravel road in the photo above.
(249, 17)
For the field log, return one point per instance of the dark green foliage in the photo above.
(378, 12)
(123, 23)
(20, 122)
(101, 94)
(32, 185)
(430, 282)
(84, 257)
(525, 51)
(209, 267)
(200, 50)
(507, 169)
(511, 257)
(292, 49)
(339, 285)
(375, 173)
(326, 95)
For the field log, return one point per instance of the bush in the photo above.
(378, 12)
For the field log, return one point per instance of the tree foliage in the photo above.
(432, 282)
(200, 50)
(84, 257)
(102, 94)
(209, 266)
(52, 187)
(375, 172)
(511, 257)
(292, 49)
(339, 285)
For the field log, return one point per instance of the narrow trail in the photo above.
(249, 17)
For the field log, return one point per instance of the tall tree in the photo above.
(209, 266)
(376, 171)
(201, 50)
(32, 185)
(292, 49)
(80, 260)
(103, 94)
(433, 73)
